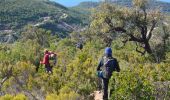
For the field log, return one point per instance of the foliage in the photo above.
(63, 96)
(74, 76)
(18, 12)
(10, 97)
(46, 14)
(138, 24)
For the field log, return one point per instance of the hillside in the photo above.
(15, 14)
(159, 4)
(87, 4)
(84, 8)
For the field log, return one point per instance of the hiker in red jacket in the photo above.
(46, 61)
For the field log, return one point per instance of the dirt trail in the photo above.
(98, 95)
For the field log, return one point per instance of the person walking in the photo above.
(46, 61)
(106, 66)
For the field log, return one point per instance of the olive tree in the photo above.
(137, 24)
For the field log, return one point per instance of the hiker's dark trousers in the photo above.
(105, 88)
(48, 67)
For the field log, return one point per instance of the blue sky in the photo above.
(70, 3)
(165, 0)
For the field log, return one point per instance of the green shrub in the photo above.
(10, 97)
(63, 96)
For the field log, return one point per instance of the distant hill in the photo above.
(85, 9)
(87, 5)
(15, 14)
(165, 6)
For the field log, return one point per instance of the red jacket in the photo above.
(45, 59)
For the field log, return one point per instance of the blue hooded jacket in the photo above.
(112, 63)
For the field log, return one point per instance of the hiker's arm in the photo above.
(100, 65)
(44, 60)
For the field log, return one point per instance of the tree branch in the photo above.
(125, 41)
(109, 22)
(133, 38)
(149, 34)
(118, 29)
(141, 52)
(145, 13)
(3, 80)
(6, 77)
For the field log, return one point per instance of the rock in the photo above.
(8, 37)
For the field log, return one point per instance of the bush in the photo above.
(137, 82)
(10, 97)
(64, 96)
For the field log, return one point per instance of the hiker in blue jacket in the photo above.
(106, 66)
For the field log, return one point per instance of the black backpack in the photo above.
(110, 65)
(80, 46)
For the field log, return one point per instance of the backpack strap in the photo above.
(108, 61)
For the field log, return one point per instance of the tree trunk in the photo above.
(148, 47)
